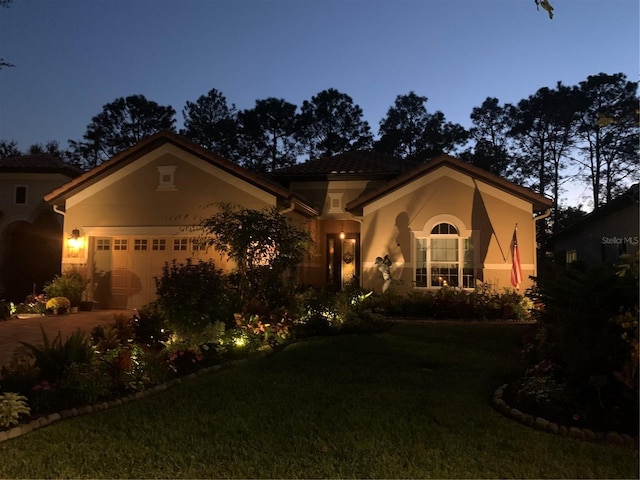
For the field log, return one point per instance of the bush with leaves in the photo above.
(69, 285)
(12, 406)
(266, 246)
(194, 295)
(53, 358)
(150, 326)
(85, 383)
(5, 310)
(587, 328)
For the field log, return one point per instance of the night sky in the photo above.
(73, 56)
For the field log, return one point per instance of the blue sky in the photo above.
(74, 56)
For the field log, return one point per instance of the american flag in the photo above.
(516, 268)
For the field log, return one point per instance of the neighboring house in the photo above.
(444, 222)
(603, 235)
(30, 233)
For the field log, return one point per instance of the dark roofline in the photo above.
(352, 165)
(38, 163)
(59, 195)
(540, 203)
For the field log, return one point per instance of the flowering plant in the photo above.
(33, 304)
(185, 361)
(58, 304)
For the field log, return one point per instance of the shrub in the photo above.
(53, 358)
(184, 361)
(273, 327)
(20, 374)
(58, 305)
(12, 405)
(266, 246)
(150, 326)
(69, 285)
(193, 295)
(588, 327)
(84, 383)
(5, 310)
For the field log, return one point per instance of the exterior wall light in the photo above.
(74, 241)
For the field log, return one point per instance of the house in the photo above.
(440, 223)
(603, 235)
(27, 223)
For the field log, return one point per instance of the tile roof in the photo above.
(357, 163)
(38, 163)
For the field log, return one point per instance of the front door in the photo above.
(343, 260)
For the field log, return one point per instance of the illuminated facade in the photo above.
(440, 223)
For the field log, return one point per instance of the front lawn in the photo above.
(413, 402)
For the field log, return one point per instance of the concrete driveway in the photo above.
(14, 331)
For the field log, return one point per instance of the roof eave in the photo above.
(539, 202)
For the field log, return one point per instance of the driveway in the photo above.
(14, 331)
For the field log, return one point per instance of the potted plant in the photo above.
(58, 305)
(86, 303)
(69, 285)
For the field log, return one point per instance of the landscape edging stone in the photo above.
(576, 433)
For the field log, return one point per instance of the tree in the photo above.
(121, 124)
(492, 151)
(212, 124)
(265, 245)
(609, 134)
(52, 147)
(544, 129)
(3, 62)
(401, 131)
(9, 148)
(409, 131)
(268, 135)
(441, 136)
(331, 124)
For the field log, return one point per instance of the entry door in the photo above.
(343, 260)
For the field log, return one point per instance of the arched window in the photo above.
(444, 258)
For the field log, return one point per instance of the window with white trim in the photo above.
(103, 244)
(140, 244)
(180, 244)
(444, 258)
(198, 244)
(120, 244)
(158, 244)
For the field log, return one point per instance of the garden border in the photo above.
(47, 420)
(542, 424)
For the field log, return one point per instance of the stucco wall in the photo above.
(486, 214)
(129, 204)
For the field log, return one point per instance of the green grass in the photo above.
(409, 403)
